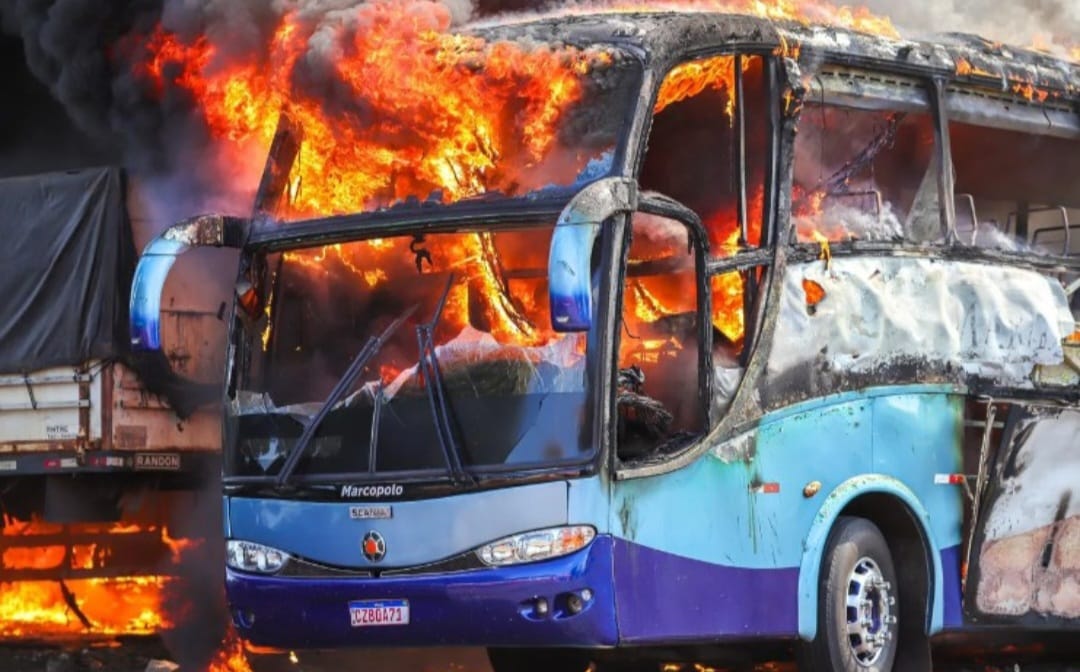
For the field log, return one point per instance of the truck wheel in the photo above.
(857, 602)
(538, 660)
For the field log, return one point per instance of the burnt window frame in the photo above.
(840, 85)
(744, 260)
(654, 203)
(966, 101)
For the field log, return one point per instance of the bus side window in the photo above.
(659, 405)
(1016, 191)
(692, 155)
(728, 292)
(865, 175)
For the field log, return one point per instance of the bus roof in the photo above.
(666, 36)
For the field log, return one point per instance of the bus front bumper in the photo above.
(482, 607)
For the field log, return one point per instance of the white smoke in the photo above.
(1053, 24)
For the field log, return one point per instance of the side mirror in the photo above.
(157, 261)
(569, 267)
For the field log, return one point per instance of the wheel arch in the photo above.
(873, 497)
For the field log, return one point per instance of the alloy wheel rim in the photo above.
(869, 608)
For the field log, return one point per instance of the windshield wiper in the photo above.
(431, 379)
(373, 345)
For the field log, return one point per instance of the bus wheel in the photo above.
(538, 660)
(857, 602)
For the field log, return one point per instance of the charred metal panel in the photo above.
(1026, 566)
(666, 36)
(104, 406)
(893, 320)
(143, 421)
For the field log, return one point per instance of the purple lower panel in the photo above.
(953, 616)
(471, 608)
(662, 597)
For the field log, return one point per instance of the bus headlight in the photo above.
(251, 557)
(536, 545)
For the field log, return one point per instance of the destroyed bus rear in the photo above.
(790, 354)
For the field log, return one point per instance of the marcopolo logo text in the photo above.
(372, 491)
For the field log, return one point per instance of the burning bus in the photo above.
(653, 334)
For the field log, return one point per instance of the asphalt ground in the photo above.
(148, 654)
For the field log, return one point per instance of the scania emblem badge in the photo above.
(374, 546)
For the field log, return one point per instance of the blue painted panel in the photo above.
(720, 516)
(952, 588)
(474, 608)
(723, 510)
(915, 437)
(742, 505)
(420, 532)
(589, 503)
(665, 598)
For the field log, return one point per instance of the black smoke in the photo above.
(68, 45)
(86, 53)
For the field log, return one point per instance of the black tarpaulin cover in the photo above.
(66, 261)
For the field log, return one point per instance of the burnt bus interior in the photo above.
(866, 167)
(513, 390)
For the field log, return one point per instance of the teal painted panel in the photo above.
(918, 436)
(742, 504)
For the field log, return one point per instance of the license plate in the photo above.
(369, 613)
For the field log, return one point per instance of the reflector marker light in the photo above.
(765, 488)
(949, 479)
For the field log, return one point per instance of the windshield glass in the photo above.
(515, 391)
(486, 118)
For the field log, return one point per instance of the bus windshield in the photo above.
(471, 374)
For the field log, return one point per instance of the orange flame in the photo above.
(441, 113)
(1030, 92)
(230, 658)
(128, 606)
(687, 80)
(965, 68)
(513, 316)
(39, 608)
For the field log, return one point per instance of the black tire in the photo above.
(855, 555)
(538, 660)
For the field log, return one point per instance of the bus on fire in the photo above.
(772, 337)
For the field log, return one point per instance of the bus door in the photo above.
(1025, 548)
